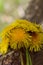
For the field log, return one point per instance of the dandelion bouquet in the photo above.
(22, 34)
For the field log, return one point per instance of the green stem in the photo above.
(21, 58)
(28, 58)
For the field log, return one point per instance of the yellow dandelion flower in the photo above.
(22, 33)
(36, 41)
(4, 46)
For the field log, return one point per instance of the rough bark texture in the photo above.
(13, 58)
(34, 11)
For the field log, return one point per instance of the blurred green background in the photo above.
(11, 10)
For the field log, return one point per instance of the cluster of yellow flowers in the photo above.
(22, 33)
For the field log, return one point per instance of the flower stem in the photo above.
(21, 58)
(28, 58)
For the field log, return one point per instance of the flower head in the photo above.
(4, 46)
(36, 41)
(22, 33)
